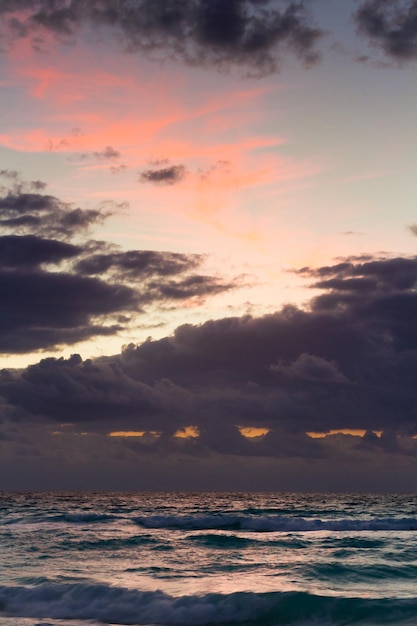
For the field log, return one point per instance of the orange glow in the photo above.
(127, 433)
(354, 432)
(253, 431)
(189, 432)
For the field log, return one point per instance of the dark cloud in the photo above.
(45, 215)
(99, 290)
(31, 251)
(348, 362)
(252, 34)
(108, 153)
(64, 389)
(392, 25)
(311, 368)
(163, 176)
(11, 174)
(41, 309)
(136, 263)
(345, 363)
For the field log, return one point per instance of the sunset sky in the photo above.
(208, 260)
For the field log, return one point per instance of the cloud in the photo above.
(98, 290)
(108, 153)
(136, 263)
(311, 368)
(41, 309)
(343, 364)
(118, 169)
(163, 176)
(392, 25)
(31, 251)
(239, 33)
(348, 362)
(29, 213)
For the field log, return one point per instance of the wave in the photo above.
(360, 572)
(273, 524)
(76, 517)
(83, 517)
(112, 544)
(129, 606)
(222, 541)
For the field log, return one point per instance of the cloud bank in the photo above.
(346, 365)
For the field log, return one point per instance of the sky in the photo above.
(208, 232)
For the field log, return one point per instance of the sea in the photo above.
(243, 559)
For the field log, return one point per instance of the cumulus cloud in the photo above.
(392, 25)
(247, 33)
(308, 367)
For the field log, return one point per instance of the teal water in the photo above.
(243, 559)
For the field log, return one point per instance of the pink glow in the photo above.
(89, 103)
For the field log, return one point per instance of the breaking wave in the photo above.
(129, 606)
(271, 524)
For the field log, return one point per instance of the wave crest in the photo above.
(129, 606)
(273, 524)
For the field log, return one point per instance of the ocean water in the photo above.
(195, 559)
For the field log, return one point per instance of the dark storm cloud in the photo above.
(163, 176)
(348, 362)
(31, 251)
(71, 389)
(252, 34)
(311, 368)
(99, 290)
(41, 309)
(392, 25)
